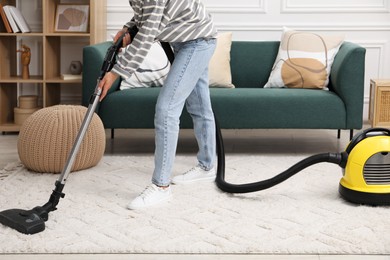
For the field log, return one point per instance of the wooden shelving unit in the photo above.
(50, 81)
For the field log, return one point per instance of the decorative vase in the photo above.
(76, 67)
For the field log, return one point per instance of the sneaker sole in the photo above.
(149, 205)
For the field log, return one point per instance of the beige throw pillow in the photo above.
(304, 60)
(219, 66)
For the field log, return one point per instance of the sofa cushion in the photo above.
(219, 67)
(238, 108)
(277, 108)
(304, 60)
(138, 104)
(251, 63)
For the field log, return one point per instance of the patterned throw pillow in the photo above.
(304, 60)
(152, 72)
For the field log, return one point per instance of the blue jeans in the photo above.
(187, 83)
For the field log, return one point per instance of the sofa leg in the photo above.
(350, 134)
(112, 133)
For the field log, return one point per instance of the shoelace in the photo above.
(148, 190)
(191, 170)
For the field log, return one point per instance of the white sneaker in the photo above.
(151, 196)
(196, 174)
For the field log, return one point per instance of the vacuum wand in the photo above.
(109, 62)
(33, 221)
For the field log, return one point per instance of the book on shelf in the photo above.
(16, 20)
(5, 20)
(71, 76)
(19, 19)
(11, 20)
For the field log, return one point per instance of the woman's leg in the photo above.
(187, 78)
(198, 105)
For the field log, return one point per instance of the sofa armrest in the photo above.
(347, 80)
(93, 57)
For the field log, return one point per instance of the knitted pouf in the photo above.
(47, 136)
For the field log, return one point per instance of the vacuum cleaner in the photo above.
(365, 165)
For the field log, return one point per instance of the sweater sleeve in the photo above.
(149, 29)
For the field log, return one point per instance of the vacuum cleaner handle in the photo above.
(364, 134)
(108, 63)
(110, 58)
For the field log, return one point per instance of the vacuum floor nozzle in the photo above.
(24, 221)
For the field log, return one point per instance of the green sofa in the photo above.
(248, 105)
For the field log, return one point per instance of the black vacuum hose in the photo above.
(337, 158)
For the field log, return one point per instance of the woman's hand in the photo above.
(126, 39)
(110, 77)
(106, 83)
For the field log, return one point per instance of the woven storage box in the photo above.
(47, 136)
(21, 114)
(28, 101)
(28, 104)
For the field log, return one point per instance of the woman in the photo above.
(189, 29)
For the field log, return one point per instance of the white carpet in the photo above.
(303, 215)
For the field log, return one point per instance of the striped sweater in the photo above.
(165, 20)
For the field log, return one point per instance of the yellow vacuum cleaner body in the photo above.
(366, 177)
